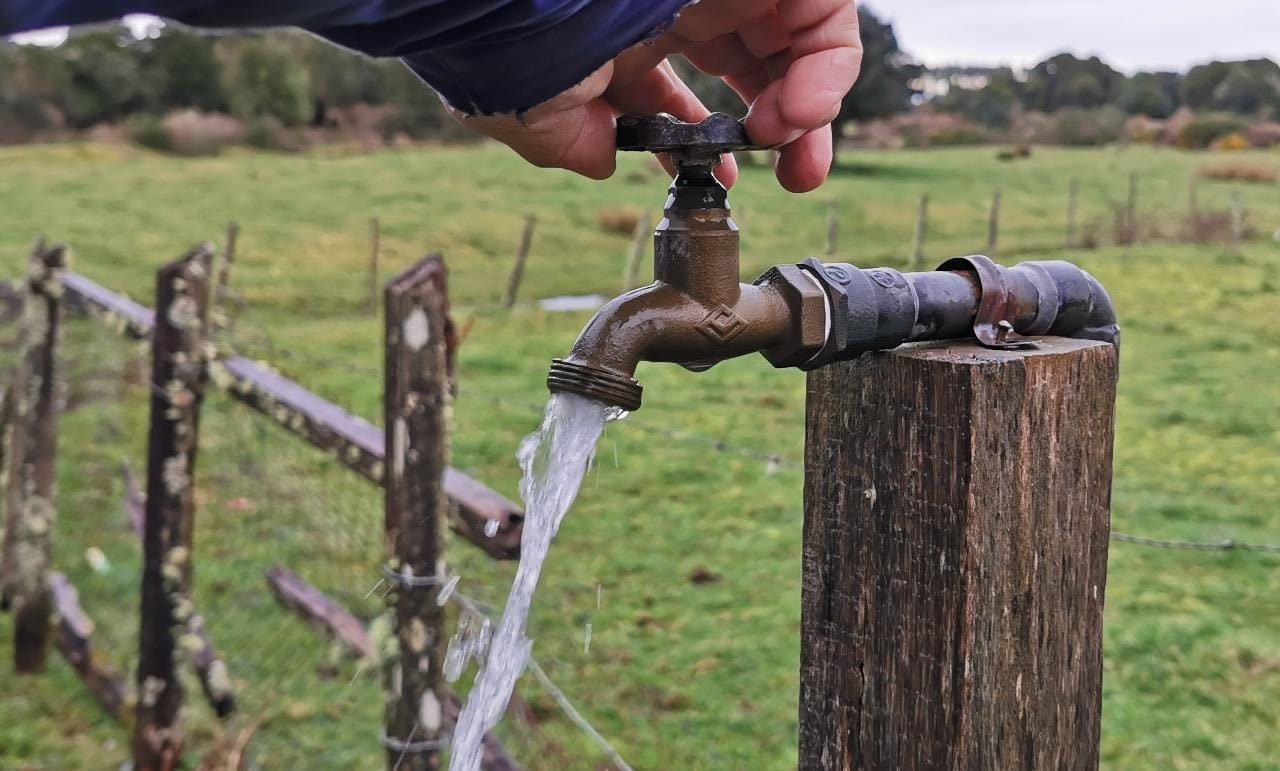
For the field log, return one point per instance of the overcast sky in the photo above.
(1130, 34)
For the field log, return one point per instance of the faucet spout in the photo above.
(662, 323)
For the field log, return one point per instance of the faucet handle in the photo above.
(686, 142)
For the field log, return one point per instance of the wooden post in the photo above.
(517, 270)
(641, 236)
(955, 553)
(1237, 222)
(375, 243)
(833, 228)
(993, 227)
(922, 226)
(178, 374)
(419, 359)
(75, 642)
(1131, 211)
(224, 264)
(33, 437)
(1073, 195)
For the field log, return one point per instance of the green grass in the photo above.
(679, 674)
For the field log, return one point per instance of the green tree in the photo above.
(106, 79)
(263, 81)
(1066, 81)
(1249, 87)
(185, 68)
(1154, 94)
(887, 83)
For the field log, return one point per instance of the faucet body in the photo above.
(697, 312)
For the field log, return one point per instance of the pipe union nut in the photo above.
(807, 310)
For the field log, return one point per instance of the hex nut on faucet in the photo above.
(808, 313)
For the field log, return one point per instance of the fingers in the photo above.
(574, 130)
(661, 90)
(803, 165)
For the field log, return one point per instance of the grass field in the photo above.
(680, 674)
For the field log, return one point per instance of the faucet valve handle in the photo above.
(688, 143)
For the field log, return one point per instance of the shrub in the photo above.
(1230, 143)
(1240, 171)
(1265, 134)
(148, 131)
(1202, 130)
(269, 134)
(619, 219)
(198, 133)
(1087, 128)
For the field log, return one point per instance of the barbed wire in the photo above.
(1228, 544)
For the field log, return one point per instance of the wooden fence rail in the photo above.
(355, 442)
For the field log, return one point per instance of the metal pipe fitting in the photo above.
(697, 313)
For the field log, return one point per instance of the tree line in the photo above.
(107, 75)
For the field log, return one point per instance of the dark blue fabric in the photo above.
(483, 56)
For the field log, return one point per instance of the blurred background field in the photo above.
(683, 560)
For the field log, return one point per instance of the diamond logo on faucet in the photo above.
(721, 324)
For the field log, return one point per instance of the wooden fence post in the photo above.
(33, 436)
(922, 226)
(993, 227)
(419, 359)
(517, 270)
(1131, 211)
(1237, 222)
(178, 374)
(833, 228)
(1073, 198)
(375, 244)
(955, 552)
(631, 273)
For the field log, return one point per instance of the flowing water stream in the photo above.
(554, 460)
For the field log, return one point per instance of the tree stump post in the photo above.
(33, 438)
(922, 226)
(955, 552)
(993, 227)
(178, 373)
(418, 402)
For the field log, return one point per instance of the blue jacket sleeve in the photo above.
(482, 56)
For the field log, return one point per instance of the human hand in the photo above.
(791, 62)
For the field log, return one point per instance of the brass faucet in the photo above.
(697, 313)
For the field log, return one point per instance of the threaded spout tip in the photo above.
(594, 383)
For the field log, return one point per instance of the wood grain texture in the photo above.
(33, 438)
(178, 375)
(418, 401)
(955, 544)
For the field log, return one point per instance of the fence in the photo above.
(407, 463)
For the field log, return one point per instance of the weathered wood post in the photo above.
(922, 228)
(1131, 211)
(1073, 199)
(833, 228)
(640, 237)
(993, 226)
(33, 438)
(1237, 223)
(178, 373)
(955, 553)
(522, 256)
(418, 399)
(375, 245)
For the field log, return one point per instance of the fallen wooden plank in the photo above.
(75, 631)
(355, 442)
(321, 611)
(328, 616)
